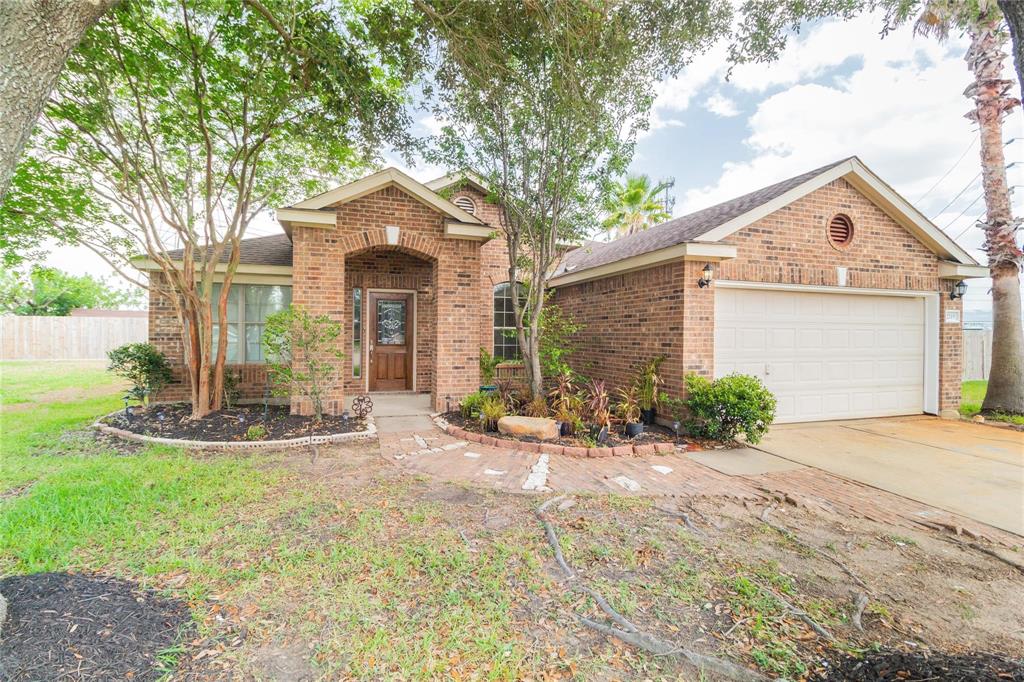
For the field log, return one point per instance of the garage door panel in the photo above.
(825, 356)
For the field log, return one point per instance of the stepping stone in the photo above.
(494, 472)
(627, 483)
(538, 478)
(471, 455)
(661, 468)
(454, 446)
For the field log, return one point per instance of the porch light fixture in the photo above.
(707, 273)
(959, 289)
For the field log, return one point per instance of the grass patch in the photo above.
(972, 394)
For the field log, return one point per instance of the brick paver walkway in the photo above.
(438, 454)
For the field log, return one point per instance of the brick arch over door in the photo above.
(411, 243)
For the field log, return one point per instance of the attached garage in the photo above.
(827, 353)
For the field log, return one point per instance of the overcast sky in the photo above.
(839, 90)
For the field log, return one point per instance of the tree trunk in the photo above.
(1013, 12)
(36, 37)
(992, 101)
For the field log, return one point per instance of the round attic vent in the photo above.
(840, 230)
(466, 204)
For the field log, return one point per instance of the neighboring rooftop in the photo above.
(687, 228)
(273, 250)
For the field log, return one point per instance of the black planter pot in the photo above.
(564, 429)
(599, 433)
(648, 416)
(634, 430)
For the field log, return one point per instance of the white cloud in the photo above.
(721, 105)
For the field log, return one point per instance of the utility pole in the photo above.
(668, 200)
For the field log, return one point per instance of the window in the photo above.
(506, 346)
(466, 204)
(357, 331)
(840, 230)
(249, 306)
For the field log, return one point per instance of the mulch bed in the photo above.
(174, 421)
(616, 436)
(86, 627)
(923, 665)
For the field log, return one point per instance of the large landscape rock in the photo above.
(538, 427)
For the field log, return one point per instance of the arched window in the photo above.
(506, 346)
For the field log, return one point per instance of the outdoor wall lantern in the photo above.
(958, 291)
(706, 279)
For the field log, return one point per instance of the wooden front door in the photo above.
(391, 341)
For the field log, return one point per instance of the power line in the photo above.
(950, 223)
(946, 174)
(958, 195)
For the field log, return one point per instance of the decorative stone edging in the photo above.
(370, 432)
(552, 448)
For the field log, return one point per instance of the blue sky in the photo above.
(838, 90)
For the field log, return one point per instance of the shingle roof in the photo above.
(679, 230)
(273, 250)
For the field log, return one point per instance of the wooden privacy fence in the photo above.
(977, 353)
(24, 337)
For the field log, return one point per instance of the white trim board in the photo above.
(932, 323)
(684, 251)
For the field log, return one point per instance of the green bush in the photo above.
(488, 363)
(256, 432)
(725, 407)
(144, 366)
(470, 405)
(491, 410)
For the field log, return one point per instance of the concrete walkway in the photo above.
(970, 469)
(745, 475)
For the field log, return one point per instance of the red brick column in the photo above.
(951, 353)
(457, 283)
(698, 321)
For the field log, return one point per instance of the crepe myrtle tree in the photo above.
(178, 123)
(544, 101)
(761, 36)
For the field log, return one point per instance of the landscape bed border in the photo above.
(369, 432)
(555, 449)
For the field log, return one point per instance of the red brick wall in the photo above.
(788, 246)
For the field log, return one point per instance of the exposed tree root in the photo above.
(789, 535)
(796, 611)
(860, 602)
(629, 633)
(685, 519)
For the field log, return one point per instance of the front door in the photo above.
(391, 341)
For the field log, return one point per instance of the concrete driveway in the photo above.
(969, 469)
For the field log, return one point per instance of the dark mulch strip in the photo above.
(911, 666)
(173, 421)
(79, 627)
(652, 434)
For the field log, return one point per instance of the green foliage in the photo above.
(559, 332)
(302, 354)
(647, 382)
(144, 366)
(674, 406)
(634, 205)
(488, 363)
(49, 291)
(469, 406)
(256, 432)
(628, 409)
(491, 410)
(729, 405)
(566, 402)
(545, 101)
(231, 388)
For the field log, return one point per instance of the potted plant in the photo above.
(565, 403)
(488, 365)
(599, 411)
(628, 410)
(647, 383)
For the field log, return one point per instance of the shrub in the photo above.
(628, 409)
(727, 406)
(144, 366)
(598, 405)
(231, 388)
(538, 407)
(491, 410)
(559, 332)
(470, 405)
(302, 354)
(256, 432)
(647, 382)
(488, 363)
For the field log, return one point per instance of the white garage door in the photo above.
(824, 355)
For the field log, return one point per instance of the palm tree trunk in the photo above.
(1013, 12)
(992, 101)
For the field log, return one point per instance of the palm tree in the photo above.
(634, 205)
(983, 22)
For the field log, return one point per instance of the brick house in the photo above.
(829, 286)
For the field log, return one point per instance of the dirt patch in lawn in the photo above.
(653, 433)
(232, 424)
(87, 627)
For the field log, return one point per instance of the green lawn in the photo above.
(972, 395)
